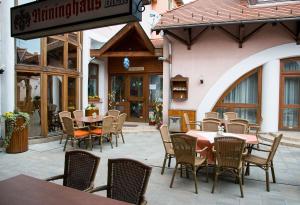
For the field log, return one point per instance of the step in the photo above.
(287, 141)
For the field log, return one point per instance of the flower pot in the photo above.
(19, 139)
(90, 112)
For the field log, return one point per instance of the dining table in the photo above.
(26, 190)
(206, 139)
(90, 119)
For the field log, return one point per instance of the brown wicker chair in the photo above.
(211, 119)
(61, 115)
(212, 115)
(229, 153)
(237, 128)
(189, 123)
(80, 170)
(185, 154)
(210, 126)
(72, 133)
(114, 113)
(127, 181)
(265, 163)
(169, 151)
(230, 115)
(105, 130)
(118, 126)
(242, 121)
(78, 114)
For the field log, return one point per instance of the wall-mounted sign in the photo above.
(136, 69)
(50, 17)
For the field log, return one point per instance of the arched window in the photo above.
(243, 97)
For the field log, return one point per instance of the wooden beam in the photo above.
(254, 31)
(290, 31)
(176, 37)
(128, 54)
(189, 38)
(241, 30)
(199, 34)
(231, 35)
(298, 32)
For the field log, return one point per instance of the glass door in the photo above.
(136, 98)
(116, 97)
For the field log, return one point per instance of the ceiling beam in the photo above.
(176, 37)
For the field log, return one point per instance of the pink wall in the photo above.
(212, 55)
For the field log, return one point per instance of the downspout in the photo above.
(169, 60)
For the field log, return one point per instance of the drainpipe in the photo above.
(169, 58)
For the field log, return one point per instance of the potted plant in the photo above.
(157, 109)
(16, 131)
(94, 99)
(90, 109)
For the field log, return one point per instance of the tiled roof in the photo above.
(158, 42)
(209, 12)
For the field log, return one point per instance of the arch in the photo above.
(241, 68)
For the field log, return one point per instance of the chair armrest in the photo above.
(90, 188)
(245, 152)
(202, 150)
(55, 177)
(262, 150)
(167, 141)
(213, 149)
(99, 188)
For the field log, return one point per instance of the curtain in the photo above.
(292, 91)
(291, 118)
(292, 66)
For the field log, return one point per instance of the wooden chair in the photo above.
(114, 113)
(80, 170)
(117, 127)
(105, 130)
(230, 115)
(61, 115)
(78, 114)
(169, 151)
(211, 119)
(265, 163)
(237, 128)
(72, 133)
(229, 155)
(212, 115)
(189, 123)
(127, 181)
(185, 154)
(210, 126)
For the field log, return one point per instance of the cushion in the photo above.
(97, 131)
(81, 133)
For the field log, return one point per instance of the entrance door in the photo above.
(136, 98)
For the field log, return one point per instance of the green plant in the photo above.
(92, 107)
(157, 109)
(11, 126)
(111, 99)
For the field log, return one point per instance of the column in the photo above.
(86, 44)
(270, 96)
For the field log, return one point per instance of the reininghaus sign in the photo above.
(50, 17)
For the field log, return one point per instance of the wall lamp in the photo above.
(2, 69)
(161, 58)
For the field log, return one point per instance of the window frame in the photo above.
(94, 77)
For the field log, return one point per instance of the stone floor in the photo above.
(47, 159)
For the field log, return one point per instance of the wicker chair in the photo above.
(265, 163)
(61, 115)
(211, 119)
(105, 130)
(230, 115)
(169, 151)
(80, 170)
(127, 181)
(72, 133)
(242, 121)
(189, 123)
(185, 154)
(210, 126)
(114, 113)
(212, 115)
(237, 128)
(229, 153)
(117, 128)
(78, 114)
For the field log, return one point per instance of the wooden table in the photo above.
(90, 119)
(25, 190)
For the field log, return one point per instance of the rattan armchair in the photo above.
(114, 113)
(72, 133)
(211, 119)
(77, 115)
(118, 127)
(127, 181)
(237, 128)
(210, 126)
(169, 151)
(61, 115)
(212, 115)
(105, 130)
(80, 170)
(185, 154)
(190, 123)
(229, 153)
(230, 115)
(242, 121)
(265, 162)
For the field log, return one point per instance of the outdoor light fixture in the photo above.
(2, 69)
(126, 63)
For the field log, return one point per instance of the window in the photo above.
(71, 94)
(72, 56)
(55, 52)
(243, 97)
(93, 80)
(255, 2)
(28, 52)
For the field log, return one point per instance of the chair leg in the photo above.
(117, 135)
(267, 179)
(243, 173)
(164, 164)
(100, 142)
(174, 173)
(206, 170)
(195, 178)
(122, 137)
(110, 140)
(240, 182)
(61, 138)
(273, 172)
(66, 143)
(169, 163)
(215, 180)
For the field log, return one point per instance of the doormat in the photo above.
(130, 125)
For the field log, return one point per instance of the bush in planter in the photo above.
(157, 108)
(11, 124)
(90, 109)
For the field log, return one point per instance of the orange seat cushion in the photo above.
(96, 131)
(81, 133)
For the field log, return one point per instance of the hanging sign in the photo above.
(51, 17)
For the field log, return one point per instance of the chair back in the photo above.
(127, 180)
(187, 121)
(212, 119)
(229, 151)
(77, 115)
(184, 148)
(61, 115)
(237, 128)
(275, 144)
(210, 126)
(80, 169)
(229, 115)
(243, 121)
(121, 120)
(69, 126)
(107, 125)
(165, 136)
(212, 115)
(114, 113)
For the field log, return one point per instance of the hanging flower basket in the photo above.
(16, 132)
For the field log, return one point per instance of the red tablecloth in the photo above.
(206, 139)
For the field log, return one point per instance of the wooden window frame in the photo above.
(232, 106)
(95, 77)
